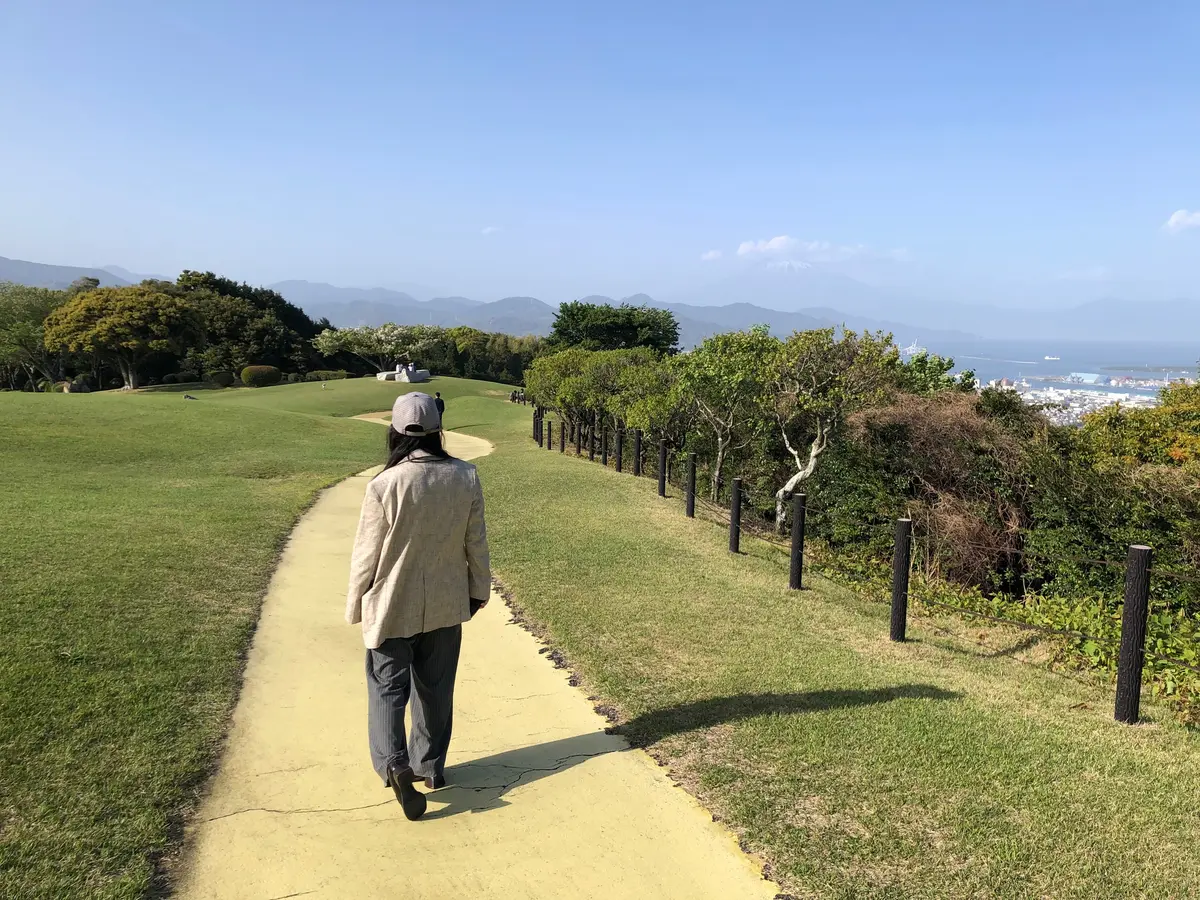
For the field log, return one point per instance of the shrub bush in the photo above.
(261, 376)
(326, 375)
(294, 378)
(221, 379)
(170, 378)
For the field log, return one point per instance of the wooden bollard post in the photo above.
(535, 434)
(901, 560)
(550, 435)
(637, 451)
(579, 439)
(604, 447)
(735, 516)
(1133, 634)
(620, 448)
(662, 467)
(799, 511)
(690, 508)
(562, 437)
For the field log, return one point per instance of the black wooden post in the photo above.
(562, 437)
(620, 447)
(535, 425)
(901, 560)
(550, 435)
(579, 439)
(604, 447)
(637, 451)
(572, 437)
(799, 511)
(662, 467)
(1133, 634)
(735, 516)
(691, 486)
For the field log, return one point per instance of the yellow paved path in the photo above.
(543, 803)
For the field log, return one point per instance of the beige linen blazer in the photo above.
(421, 551)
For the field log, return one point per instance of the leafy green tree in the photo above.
(383, 346)
(82, 285)
(726, 379)
(265, 299)
(595, 326)
(818, 379)
(23, 311)
(238, 334)
(927, 374)
(650, 396)
(555, 381)
(124, 324)
(245, 325)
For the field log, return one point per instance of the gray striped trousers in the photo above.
(422, 667)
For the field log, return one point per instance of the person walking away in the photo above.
(439, 403)
(419, 569)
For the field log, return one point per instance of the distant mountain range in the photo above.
(786, 298)
(56, 277)
(528, 315)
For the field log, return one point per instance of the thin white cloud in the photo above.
(489, 229)
(790, 265)
(811, 251)
(778, 244)
(1182, 219)
(710, 255)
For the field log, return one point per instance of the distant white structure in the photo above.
(409, 374)
(913, 349)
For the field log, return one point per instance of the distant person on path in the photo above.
(439, 403)
(418, 571)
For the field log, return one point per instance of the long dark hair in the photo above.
(399, 446)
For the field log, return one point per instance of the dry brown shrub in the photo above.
(966, 471)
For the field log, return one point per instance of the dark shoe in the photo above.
(433, 783)
(412, 801)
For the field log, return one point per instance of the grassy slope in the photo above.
(139, 535)
(859, 768)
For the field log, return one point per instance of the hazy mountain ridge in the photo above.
(786, 298)
(46, 275)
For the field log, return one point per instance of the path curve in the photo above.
(543, 803)
(464, 446)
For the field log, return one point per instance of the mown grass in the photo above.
(142, 532)
(858, 768)
(139, 535)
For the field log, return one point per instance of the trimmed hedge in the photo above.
(261, 376)
(170, 378)
(294, 378)
(327, 375)
(222, 379)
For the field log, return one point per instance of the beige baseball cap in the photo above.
(416, 414)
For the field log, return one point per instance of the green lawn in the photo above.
(142, 532)
(139, 534)
(857, 767)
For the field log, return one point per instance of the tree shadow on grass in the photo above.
(481, 784)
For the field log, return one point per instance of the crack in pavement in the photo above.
(286, 771)
(522, 771)
(292, 812)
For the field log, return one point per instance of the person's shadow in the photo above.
(480, 785)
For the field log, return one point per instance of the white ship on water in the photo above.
(1052, 358)
(913, 349)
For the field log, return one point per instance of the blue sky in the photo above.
(1031, 152)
